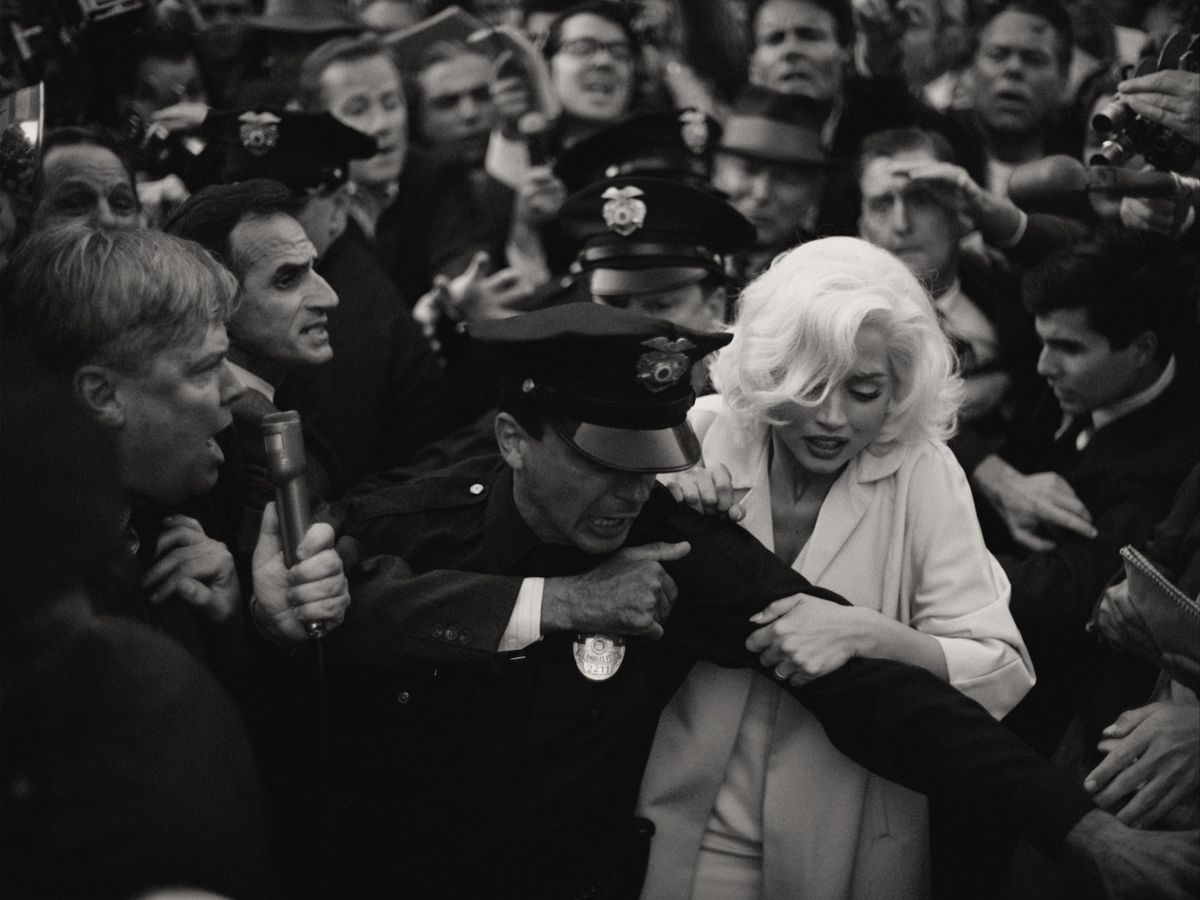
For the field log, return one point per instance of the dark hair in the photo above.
(337, 50)
(209, 216)
(892, 141)
(1051, 10)
(157, 42)
(1121, 300)
(603, 9)
(81, 136)
(843, 18)
(437, 52)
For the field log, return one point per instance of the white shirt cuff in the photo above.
(507, 161)
(525, 626)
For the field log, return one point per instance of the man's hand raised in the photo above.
(628, 594)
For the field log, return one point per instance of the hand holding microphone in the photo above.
(300, 590)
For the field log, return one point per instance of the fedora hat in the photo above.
(782, 128)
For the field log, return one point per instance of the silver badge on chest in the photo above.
(598, 656)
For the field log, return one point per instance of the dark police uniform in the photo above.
(469, 773)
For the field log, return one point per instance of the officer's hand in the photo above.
(708, 491)
(628, 594)
(197, 569)
(309, 598)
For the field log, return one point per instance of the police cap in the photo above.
(304, 151)
(614, 384)
(675, 144)
(650, 235)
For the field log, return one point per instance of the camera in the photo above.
(1128, 134)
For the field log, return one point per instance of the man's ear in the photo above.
(96, 390)
(512, 439)
(1144, 346)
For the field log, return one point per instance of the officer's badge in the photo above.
(693, 128)
(259, 132)
(623, 212)
(665, 364)
(598, 656)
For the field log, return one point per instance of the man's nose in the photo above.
(636, 486)
(759, 186)
(322, 296)
(229, 386)
(1047, 363)
(104, 214)
(900, 221)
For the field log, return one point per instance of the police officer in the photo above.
(657, 247)
(499, 680)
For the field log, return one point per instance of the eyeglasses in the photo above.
(585, 47)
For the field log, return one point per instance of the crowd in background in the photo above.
(960, 392)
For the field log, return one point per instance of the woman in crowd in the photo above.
(836, 395)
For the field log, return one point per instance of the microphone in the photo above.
(284, 443)
(1061, 184)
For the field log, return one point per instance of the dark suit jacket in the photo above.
(511, 774)
(385, 394)
(1126, 476)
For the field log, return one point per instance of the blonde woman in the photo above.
(836, 395)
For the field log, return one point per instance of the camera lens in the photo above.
(1111, 117)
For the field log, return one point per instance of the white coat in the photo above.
(896, 533)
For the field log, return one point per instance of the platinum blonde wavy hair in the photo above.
(795, 332)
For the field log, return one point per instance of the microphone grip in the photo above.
(291, 502)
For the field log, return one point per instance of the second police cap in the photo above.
(675, 144)
(304, 151)
(615, 384)
(650, 235)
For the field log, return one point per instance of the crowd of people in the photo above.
(749, 449)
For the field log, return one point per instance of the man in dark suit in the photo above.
(384, 396)
(1097, 460)
(499, 675)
